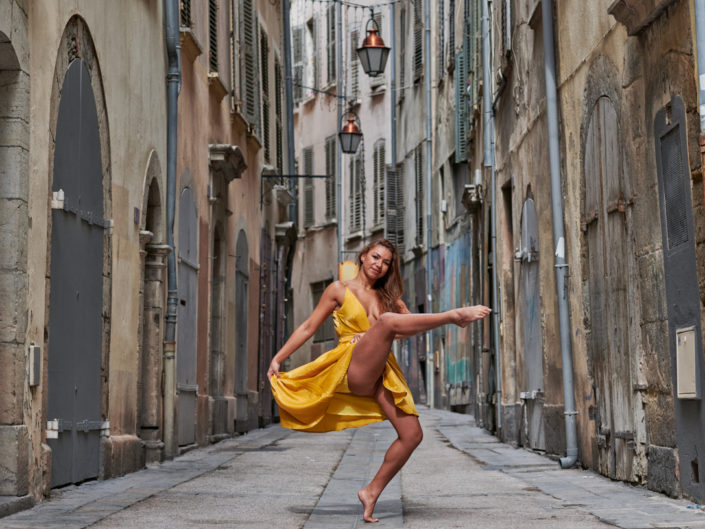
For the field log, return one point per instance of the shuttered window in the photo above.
(298, 60)
(249, 78)
(326, 331)
(394, 218)
(186, 13)
(379, 80)
(354, 64)
(379, 178)
(308, 188)
(402, 48)
(418, 38)
(213, 36)
(330, 25)
(278, 112)
(441, 39)
(355, 199)
(312, 26)
(419, 180)
(461, 109)
(331, 177)
(451, 32)
(264, 72)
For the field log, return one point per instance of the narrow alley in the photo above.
(460, 477)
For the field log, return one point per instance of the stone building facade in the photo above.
(86, 390)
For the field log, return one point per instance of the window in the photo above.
(326, 331)
(278, 112)
(308, 188)
(355, 193)
(379, 177)
(186, 14)
(213, 36)
(311, 27)
(418, 39)
(419, 174)
(354, 64)
(402, 48)
(249, 78)
(441, 38)
(451, 32)
(331, 177)
(264, 59)
(395, 206)
(298, 60)
(331, 42)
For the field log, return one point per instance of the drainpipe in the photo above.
(489, 148)
(339, 148)
(393, 109)
(289, 96)
(430, 356)
(173, 80)
(559, 237)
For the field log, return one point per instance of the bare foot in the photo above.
(465, 315)
(368, 505)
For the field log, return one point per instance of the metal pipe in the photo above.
(430, 359)
(393, 110)
(173, 80)
(489, 151)
(559, 236)
(289, 96)
(700, 46)
(339, 150)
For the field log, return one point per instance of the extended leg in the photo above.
(371, 351)
(409, 436)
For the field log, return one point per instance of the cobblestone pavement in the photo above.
(460, 477)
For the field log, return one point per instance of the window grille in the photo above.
(331, 42)
(331, 180)
(308, 188)
(213, 36)
(379, 178)
(418, 173)
(186, 13)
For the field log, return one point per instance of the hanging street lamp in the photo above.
(373, 53)
(350, 134)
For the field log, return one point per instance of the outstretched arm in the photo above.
(332, 298)
(403, 309)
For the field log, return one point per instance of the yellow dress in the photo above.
(315, 397)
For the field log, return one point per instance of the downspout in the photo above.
(559, 237)
(289, 96)
(173, 80)
(393, 109)
(489, 148)
(339, 148)
(430, 357)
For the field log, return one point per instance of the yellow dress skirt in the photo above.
(315, 397)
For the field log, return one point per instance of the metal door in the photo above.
(608, 253)
(242, 277)
(533, 394)
(188, 312)
(682, 293)
(76, 291)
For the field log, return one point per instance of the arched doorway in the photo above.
(187, 315)
(242, 278)
(76, 292)
(608, 250)
(533, 393)
(153, 254)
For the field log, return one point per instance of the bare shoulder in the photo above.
(336, 290)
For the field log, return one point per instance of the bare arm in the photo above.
(403, 309)
(332, 298)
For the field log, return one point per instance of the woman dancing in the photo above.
(359, 382)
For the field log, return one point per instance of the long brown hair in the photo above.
(389, 287)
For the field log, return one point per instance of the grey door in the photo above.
(608, 252)
(188, 311)
(76, 288)
(532, 395)
(242, 277)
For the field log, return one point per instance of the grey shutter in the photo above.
(330, 25)
(379, 166)
(331, 177)
(213, 36)
(298, 53)
(186, 14)
(402, 48)
(354, 65)
(400, 208)
(441, 38)
(264, 59)
(308, 188)
(316, 53)
(355, 194)
(249, 80)
(418, 38)
(278, 112)
(451, 29)
(418, 170)
(461, 109)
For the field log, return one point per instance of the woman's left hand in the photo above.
(357, 337)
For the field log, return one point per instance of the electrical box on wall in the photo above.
(34, 365)
(686, 371)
